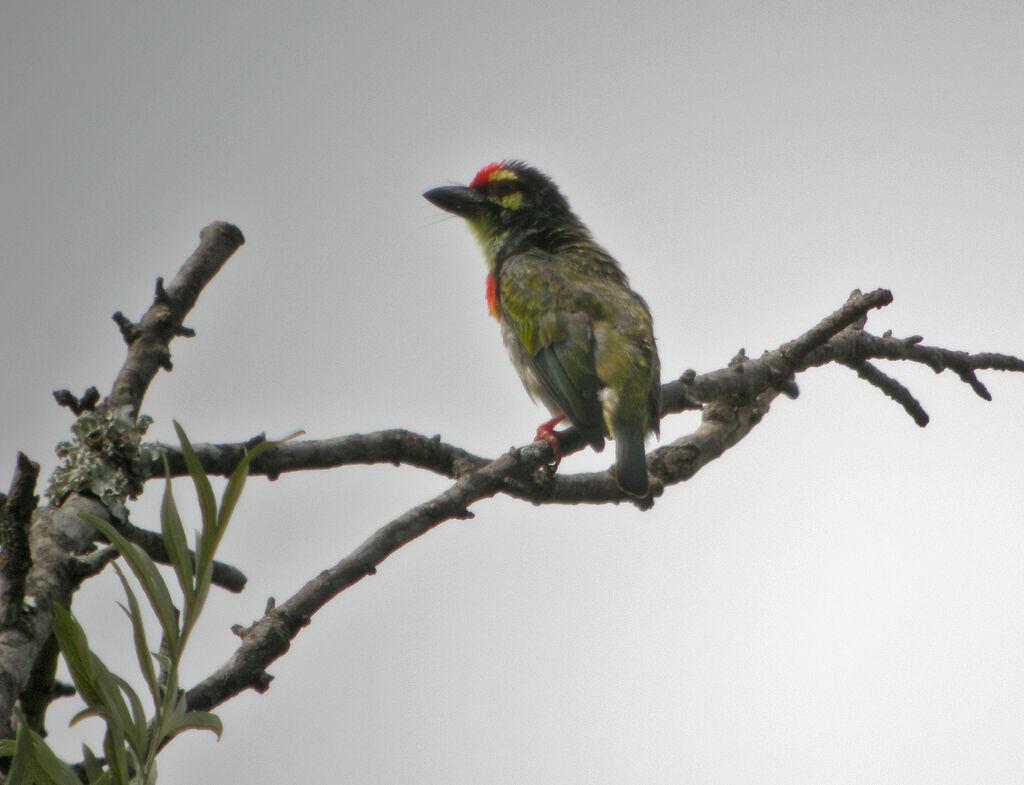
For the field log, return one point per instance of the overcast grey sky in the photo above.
(837, 600)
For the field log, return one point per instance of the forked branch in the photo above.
(737, 398)
(58, 535)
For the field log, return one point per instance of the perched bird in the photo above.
(580, 338)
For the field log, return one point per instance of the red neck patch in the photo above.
(492, 295)
(484, 175)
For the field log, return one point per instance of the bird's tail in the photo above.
(631, 462)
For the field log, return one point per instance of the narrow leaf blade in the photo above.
(142, 650)
(207, 501)
(92, 767)
(52, 767)
(139, 735)
(238, 477)
(177, 544)
(75, 647)
(148, 576)
(21, 762)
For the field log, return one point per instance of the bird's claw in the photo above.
(546, 433)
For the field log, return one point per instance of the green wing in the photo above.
(552, 320)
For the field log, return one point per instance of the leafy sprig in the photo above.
(133, 738)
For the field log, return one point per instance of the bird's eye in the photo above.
(503, 187)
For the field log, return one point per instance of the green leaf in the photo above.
(75, 647)
(194, 720)
(98, 687)
(119, 718)
(233, 490)
(176, 543)
(117, 761)
(93, 769)
(207, 502)
(237, 480)
(173, 710)
(148, 576)
(139, 736)
(142, 650)
(208, 536)
(178, 719)
(32, 761)
(52, 768)
(21, 763)
(238, 477)
(85, 713)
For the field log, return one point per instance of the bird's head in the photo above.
(510, 206)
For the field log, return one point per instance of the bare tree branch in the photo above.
(149, 340)
(15, 557)
(396, 446)
(738, 396)
(57, 535)
(839, 337)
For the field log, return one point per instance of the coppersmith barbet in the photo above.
(580, 338)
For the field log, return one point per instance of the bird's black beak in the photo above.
(458, 199)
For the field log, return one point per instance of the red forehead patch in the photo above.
(484, 174)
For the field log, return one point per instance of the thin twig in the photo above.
(892, 388)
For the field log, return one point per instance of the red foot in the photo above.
(546, 433)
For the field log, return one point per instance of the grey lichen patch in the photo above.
(103, 457)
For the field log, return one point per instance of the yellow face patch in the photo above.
(511, 201)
